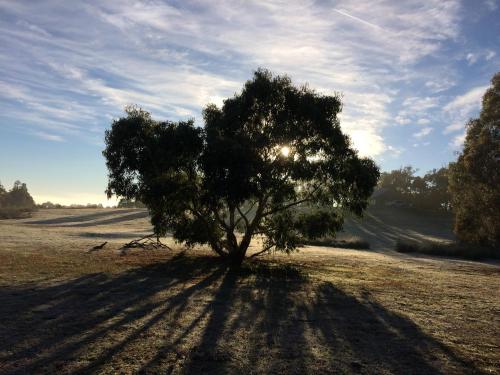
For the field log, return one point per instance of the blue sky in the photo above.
(410, 72)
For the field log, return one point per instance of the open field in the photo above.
(64, 309)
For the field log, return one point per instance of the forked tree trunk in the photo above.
(236, 252)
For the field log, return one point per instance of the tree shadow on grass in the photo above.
(194, 315)
(93, 219)
(79, 218)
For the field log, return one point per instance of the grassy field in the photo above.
(64, 309)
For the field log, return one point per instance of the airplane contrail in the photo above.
(344, 13)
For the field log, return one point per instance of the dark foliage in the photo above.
(449, 249)
(16, 203)
(333, 242)
(429, 192)
(475, 176)
(260, 160)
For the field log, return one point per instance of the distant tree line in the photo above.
(17, 202)
(130, 203)
(401, 187)
(50, 205)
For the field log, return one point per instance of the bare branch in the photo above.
(267, 248)
(295, 203)
(220, 220)
(242, 216)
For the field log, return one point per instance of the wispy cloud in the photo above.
(173, 58)
(458, 141)
(471, 58)
(423, 133)
(454, 127)
(48, 136)
(489, 55)
(463, 106)
(491, 4)
(459, 110)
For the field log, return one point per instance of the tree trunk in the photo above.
(236, 258)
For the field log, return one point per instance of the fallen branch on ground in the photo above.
(98, 247)
(151, 241)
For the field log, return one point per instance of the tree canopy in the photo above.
(272, 161)
(16, 202)
(475, 176)
(429, 192)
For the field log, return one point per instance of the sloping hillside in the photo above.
(382, 227)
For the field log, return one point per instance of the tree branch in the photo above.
(282, 208)
(267, 248)
(221, 222)
(242, 216)
(214, 243)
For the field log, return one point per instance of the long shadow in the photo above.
(193, 315)
(91, 222)
(113, 220)
(80, 218)
(111, 235)
(381, 229)
(45, 325)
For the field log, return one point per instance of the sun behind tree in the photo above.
(272, 161)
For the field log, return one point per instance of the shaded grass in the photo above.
(190, 313)
(448, 249)
(349, 243)
(276, 270)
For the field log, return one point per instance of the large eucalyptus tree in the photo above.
(272, 161)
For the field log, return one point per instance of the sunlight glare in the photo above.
(285, 151)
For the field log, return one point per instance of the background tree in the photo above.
(475, 176)
(16, 202)
(19, 197)
(2, 193)
(127, 203)
(272, 161)
(398, 183)
(437, 196)
(429, 192)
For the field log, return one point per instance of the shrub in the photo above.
(449, 249)
(14, 213)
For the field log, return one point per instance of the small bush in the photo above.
(450, 249)
(14, 213)
(351, 243)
